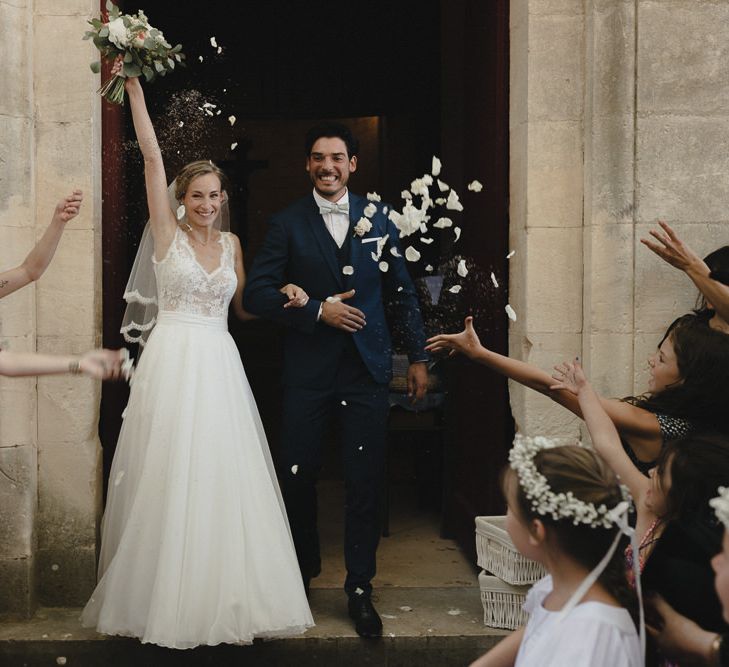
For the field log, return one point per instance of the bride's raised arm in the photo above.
(161, 216)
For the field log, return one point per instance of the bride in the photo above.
(195, 545)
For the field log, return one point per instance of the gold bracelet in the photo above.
(74, 367)
(715, 651)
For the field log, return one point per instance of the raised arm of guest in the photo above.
(40, 257)
(100, 364)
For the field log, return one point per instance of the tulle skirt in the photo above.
(196, 547)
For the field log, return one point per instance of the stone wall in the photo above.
(49, 450)
(619, 117)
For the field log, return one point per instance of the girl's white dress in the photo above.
(593, 634)
(195, 546)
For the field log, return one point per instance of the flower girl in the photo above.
(567, 511)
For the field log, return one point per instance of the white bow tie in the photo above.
(331, 207)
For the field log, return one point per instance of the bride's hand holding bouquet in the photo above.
(140, 49)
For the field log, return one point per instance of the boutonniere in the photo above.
(362, 227)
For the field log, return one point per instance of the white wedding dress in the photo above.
(195, 547)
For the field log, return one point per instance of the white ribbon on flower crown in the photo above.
(619, 516)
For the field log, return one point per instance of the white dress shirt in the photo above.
(337, 223)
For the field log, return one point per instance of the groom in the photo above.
(338, 356)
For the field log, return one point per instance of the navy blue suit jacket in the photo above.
(299, 249)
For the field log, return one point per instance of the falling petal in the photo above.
(429, 267)
(220, 50)
(510, 312)
(411, 254)
(435, 169)
(384, 266)
(454, 612)
(511, 254)
(344, 403)
(370, 210)
(405, 194)
(358, 591)
(385, 210)
(462, 270)
(442, 223)
(493, 280)
(455, 289)
(218, 112)
(213, 43)
(443, 186)
(389, 617)
(457, 232)
(475, 186)
(394, 252)
(180, 124)
(294, 469)
(373, 196)
(427, 179)
(399, 289)
(426, 240)
(231, 120)
(200, 58)
(234, 145)
(347, 270)
(209, 104)
(180, 211)
(453, 202)
(440, 201)
(61, 660)
(55, 567)
(375, 256)
(406, 608)
(361, 447)
(208, 112)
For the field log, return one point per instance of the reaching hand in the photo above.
(466, 342)
(671, 248)
(341, 316)
(298, 298)
(103, 364)
(68, 208)
(569, 376)
(417, 381)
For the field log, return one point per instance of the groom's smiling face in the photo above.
(329, 167)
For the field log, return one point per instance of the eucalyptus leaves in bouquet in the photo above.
(144, 49)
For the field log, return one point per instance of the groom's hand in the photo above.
(417, 381)
(341, 316)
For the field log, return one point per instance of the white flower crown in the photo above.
(721, 506)
(558, 505)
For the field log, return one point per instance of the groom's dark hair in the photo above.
(332, 129)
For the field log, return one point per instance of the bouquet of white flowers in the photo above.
(143, 48)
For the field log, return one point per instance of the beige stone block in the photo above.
(68, 406)
(553, 280)
(556, 47)
(683, 169)
(18, 495)
(63, 85)
(608, 361)
(518, 65)
(609, 165)
(69, 493)
(518, 16)
(17, 587)
(518, 175)
(554, 177)
(17, 88)
(66, 293)
(18, 410)
(550, 7)
(608, 278)
(664, 293)
(64, 163)
(682, 57)
(83, 8)
(517, 296)
(16, 201)
(611, 61)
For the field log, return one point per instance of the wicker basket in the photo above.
(498, 555)
(502, 603)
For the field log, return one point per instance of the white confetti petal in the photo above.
(181, 123)
(511, 254)
(218, 112)
(455, 289)
(234, 145)
(454, 612)
(294, 469)
(443, 186)
(453, 203)
(55, 567)
(426, 240)
(213, 43)
(231, 120)
(200, 58)
(358, 591)
(220, 50)
(405, 194)
(344, 403)
(429, 267)
(510, 312)
(348, 270)
(494, 281)
(411, 254)
(437, 164)
(373, 196)
(384, 266)
(442, 223)
(61, 660)
(457, 232)
(475, 186)
(370, 210)
(399, 289)
(394, 252)
(209, 104)
(180, 211)
(462, 270)
(389, 617)
(440, 201)
(427, 179)
(208, 112)
(385, 210)
(361, 447)
(406, 608)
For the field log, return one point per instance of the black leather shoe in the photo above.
(367, 621)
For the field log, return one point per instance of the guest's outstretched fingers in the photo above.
(670, 248)
(466, 342)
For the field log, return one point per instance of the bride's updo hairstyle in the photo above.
(194, 169)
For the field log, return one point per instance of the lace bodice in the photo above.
(184, 286)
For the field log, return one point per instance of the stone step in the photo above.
(423, 627)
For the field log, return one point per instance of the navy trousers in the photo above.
(360, 405)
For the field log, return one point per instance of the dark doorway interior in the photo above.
(414, 80)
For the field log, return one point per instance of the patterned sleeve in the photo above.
(673, 427)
